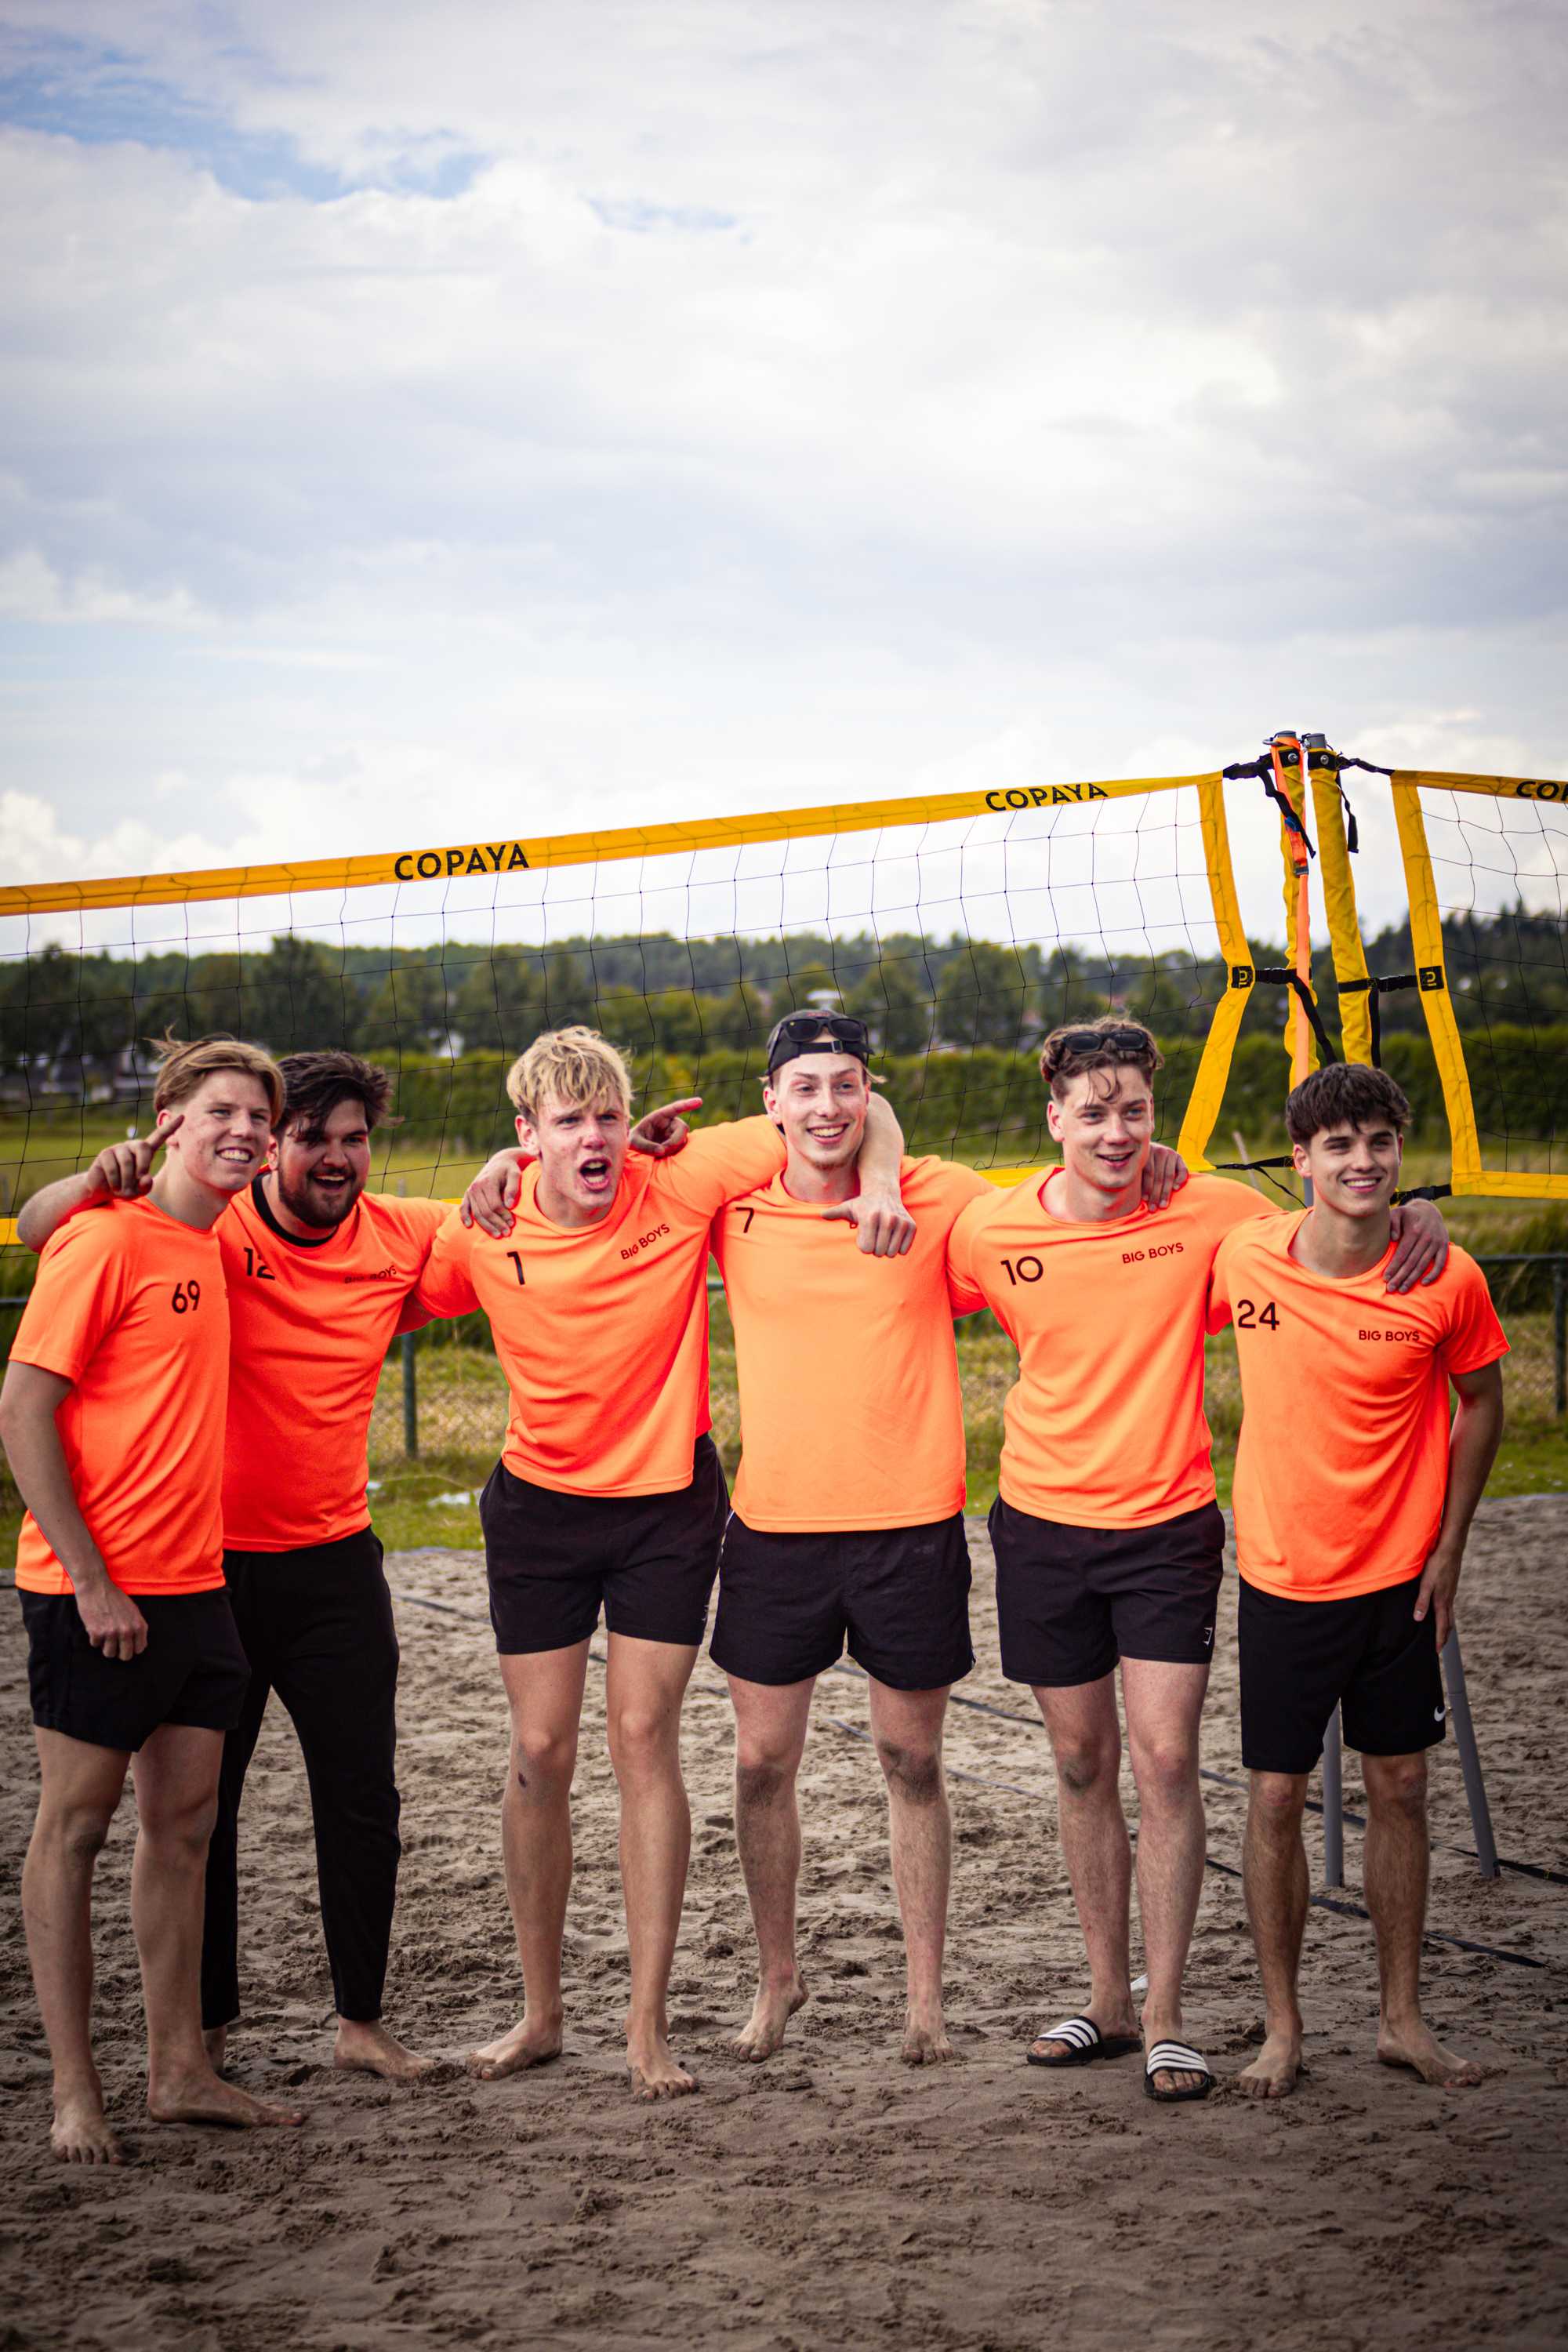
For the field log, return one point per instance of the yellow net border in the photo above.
(431, 861)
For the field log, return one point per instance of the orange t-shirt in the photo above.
(128, 1307)
(602, 1329)
(816, 1318)
(1105, 1427)
(312, 1323)
(1343, 1466)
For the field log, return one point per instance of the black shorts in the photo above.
(902, 1594)
(1366, 1655)
(649, 1561)
(1070, 1601)
(192, 1669)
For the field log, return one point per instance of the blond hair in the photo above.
(182, 1067)
(575, 1066)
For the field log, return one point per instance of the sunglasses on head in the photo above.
(803, 1033)
(1122, 1040)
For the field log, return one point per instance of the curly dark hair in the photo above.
(1102, 1045)
(1344, 1093)
(317, 1082)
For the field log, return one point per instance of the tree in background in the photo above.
(895, 1008)
(736, 1021)
(497, 1007)
(1067, 993)
(983, 998)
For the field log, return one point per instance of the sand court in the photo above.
(831, 2196)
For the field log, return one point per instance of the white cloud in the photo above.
(771, 403)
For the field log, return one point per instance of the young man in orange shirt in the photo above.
(112, 1416)
(321, 1276)
(609, 1492)
(859, 1532)
(1108, 1537)
(1353, 1499)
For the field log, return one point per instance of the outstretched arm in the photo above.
(122, 1171)
(28, 1404)
(1473, 1442)
(883, 1226)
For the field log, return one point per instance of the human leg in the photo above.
(1394, 1869)
(907, 1726)
(1163, 1705)
(1086, 1744)
(770, 1722)
(1277, 1887)
(176, 1774)
(336, 1673)
(80, 1789)
(644, 1684)
(544, 1696)
(247, 1580)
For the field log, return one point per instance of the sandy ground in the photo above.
(831, 2196)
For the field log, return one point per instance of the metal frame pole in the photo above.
(410, 1400)
(1333, 1805)
(1559, 1332)
(1470, 1757)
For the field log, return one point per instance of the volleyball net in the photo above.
(962, 927)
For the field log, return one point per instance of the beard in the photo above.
(323, 1215)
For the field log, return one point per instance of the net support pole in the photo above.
(1470, 1755)
(1333, 1804)
(410, 1400)
(410, 1387)
(1560, 1334)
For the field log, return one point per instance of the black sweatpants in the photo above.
(317, 1629)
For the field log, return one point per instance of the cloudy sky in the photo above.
(443, 422)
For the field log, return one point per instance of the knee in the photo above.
(1396, 1784)
(183, 1829)
(642, 1740)
(1278, 1802)
(543, 1762)
(913, 1774)
(78, 1832)
(1085, 1765)
(761, 1782)
(1165, 1771)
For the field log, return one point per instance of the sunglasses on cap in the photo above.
(803, 1033)
(1134, 1043)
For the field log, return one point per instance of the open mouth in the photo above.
(595, 1173)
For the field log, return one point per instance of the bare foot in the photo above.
(774, 2005)
(80, 2133)
(369, 2049)
(654, 2072)
(215, 2039)
(202, 2097)
(1115, 2024)
(925, 2037)
(1272, 2074)
(529, 2043)
(1418, 2047)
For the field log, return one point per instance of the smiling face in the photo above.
(225, 1133)
(820, 1100)
(1354, 1165)
(323, 1166)
(1104, 1121)
(581, 1152)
